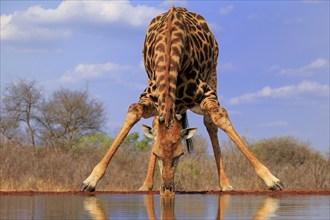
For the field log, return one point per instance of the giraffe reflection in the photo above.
(266, 208)
(166, 207)
(222, 204)
(93, 207)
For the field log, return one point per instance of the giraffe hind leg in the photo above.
(212, 130)
(221, 119)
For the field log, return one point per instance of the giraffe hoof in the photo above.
(227, 188)
(145, 188)
(277, 186)
(87, 188)
(90, 183)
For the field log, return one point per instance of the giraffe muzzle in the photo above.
(167, 190)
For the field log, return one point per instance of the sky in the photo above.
(273, 67)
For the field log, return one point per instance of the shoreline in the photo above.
(235, 192)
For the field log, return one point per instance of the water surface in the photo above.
(136, 206)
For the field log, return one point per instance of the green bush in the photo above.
(97, 139)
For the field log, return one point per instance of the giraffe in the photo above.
(180, 57)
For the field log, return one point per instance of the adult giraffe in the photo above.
(180, 57)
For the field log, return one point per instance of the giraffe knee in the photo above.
(220, 118)
(135, 108)
(135, 112)
(218, 114)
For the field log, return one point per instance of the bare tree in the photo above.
(21, 100)
(69, 115)
(9, 129)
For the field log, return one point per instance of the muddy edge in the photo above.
(241, 192)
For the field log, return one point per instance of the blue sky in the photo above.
(273, 72)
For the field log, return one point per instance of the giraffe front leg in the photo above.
(134, 114)
(220, 117)
(212, 130)
(148, 182)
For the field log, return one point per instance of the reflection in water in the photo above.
(93, 207)
(266, 208)
(166, 207)
(222, 203)
(110, 206)
(149, 203)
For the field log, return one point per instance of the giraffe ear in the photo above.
(188, 133)
(147, 131)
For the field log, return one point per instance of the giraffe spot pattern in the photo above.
(192, 61)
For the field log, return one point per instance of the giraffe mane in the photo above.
(168, 102)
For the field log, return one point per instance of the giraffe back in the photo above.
(180, 57)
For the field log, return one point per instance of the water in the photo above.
(133, 206)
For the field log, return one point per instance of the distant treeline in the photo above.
(29, 118)
(61, 169)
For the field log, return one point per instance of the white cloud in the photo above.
(91, 71)
(305, 87)
(308, 70)
(226, 10)
(39, 23)
(110, 72)
(14, 29)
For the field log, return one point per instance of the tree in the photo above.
(9, 129)
(133, 140)
(69, 115)
(21, 101)
(98, 139)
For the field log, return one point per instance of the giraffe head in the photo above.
(168, 148)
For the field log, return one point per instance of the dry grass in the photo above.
(292, 161)
(57, 169)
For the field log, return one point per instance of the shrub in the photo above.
(59, 169)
